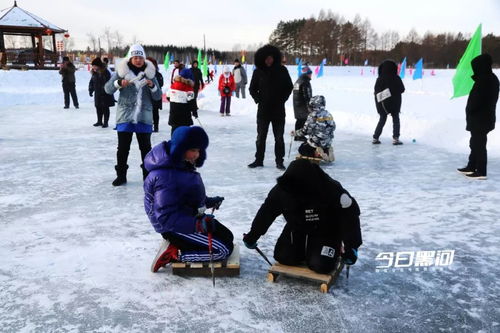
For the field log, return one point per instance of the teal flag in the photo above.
(419, 68)
(320, 71)
(462, 80)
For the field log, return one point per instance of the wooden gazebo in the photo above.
(19, 22)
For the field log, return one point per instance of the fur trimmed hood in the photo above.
(179, 78)
(122, 69)
(264, 52)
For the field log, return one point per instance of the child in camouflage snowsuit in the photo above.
(318, 128)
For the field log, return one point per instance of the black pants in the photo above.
(294, 247)
(70, 88)
(196, 245)
(381, 122)
(102, 112)
(478, 157)
(156, 116)
(299, 123)
(124, 141)
(279, 143)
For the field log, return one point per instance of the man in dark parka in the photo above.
(270, 88)
(480, 114)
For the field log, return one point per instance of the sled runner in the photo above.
(229, 267)
(302, 272)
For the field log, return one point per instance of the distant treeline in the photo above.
(190, 53)
(332, 37)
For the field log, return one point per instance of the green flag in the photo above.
(462, 81)
(204, 67)
(166, 61)
(199, 59)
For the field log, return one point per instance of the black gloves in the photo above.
(350, 256)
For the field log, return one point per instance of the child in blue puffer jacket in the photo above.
(175, 201)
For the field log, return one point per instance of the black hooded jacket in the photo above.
(482, 101)
(271, 86)
(311, 202)
(96, 87)
(388, 78)
(302, 93)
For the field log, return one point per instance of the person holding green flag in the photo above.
(480, 114)
(462, 81)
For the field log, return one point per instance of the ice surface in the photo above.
(75, 251)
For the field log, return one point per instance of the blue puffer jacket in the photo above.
(173, 190)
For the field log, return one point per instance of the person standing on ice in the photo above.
(388, 90)
(157, 105)
(318, 128)
(240, 78)
(322, 219)
(198, 81)
(136, 81)
(67, 72)
(226, 88)
(480, 115)
(102, 101)
(181, 97)
(302, 93)
(270, 88)
(175, 71)
(175, 201)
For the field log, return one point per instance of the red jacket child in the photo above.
(226, 80)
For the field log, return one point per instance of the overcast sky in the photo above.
(226, 23)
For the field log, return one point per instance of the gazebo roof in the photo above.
(15, 18)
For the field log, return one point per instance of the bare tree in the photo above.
(118, 39)
(92, 41)
(109, 37)
(412, 36)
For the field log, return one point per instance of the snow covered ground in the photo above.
(75, 251)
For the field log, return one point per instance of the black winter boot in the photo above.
(121, 175)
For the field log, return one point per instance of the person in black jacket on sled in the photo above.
(320, 215)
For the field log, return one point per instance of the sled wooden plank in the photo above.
(178, 265)
(300, 271)
(233, 261)
(230, 267)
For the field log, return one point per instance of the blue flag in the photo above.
(320, 72)
(366, 62)
(418, 69)
(402, 69)
(299, 68)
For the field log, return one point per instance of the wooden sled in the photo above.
(229, 267)
(302, 272)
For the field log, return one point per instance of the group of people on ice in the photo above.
(322, 218)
